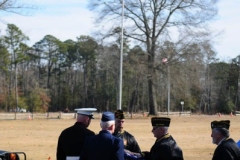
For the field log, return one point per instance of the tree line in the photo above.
(53, 75)
(168, 58)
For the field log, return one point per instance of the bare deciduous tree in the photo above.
(17, 7)
(150, 21)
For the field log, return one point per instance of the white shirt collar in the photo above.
(221, 141)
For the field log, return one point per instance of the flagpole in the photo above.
(121, 61)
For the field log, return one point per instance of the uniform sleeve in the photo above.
(222, 153)
(134, 145)
(60, 152)
(146, 155)
(162, 152)
(84, 150)
(120, 150)
(167, 151)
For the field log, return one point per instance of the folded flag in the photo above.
(131, 157)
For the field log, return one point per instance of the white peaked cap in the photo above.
(86, 111)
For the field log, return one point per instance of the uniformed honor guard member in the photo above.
(104, 146)
(227, 148)
(165, 147)
(129, 141)
(71, 140)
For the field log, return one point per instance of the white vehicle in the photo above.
(22, 110)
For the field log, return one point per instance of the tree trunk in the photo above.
(152, 98)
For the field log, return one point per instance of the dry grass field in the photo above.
(38, 138)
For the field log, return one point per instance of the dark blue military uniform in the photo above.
(71, 140)
(103, 146)
(165, 148)
(227, 150)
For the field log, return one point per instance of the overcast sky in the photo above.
(68, 19)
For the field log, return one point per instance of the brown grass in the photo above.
(38, 138)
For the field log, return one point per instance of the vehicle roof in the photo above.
(2, 152)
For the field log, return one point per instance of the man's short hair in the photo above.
(107, 124)
(223, 131)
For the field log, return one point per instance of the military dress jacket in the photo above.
(103, 146)
(165, 148)
(129, 141)
(227, 150)
(71, 141)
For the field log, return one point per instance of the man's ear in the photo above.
(112, 127)
(86, 118)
